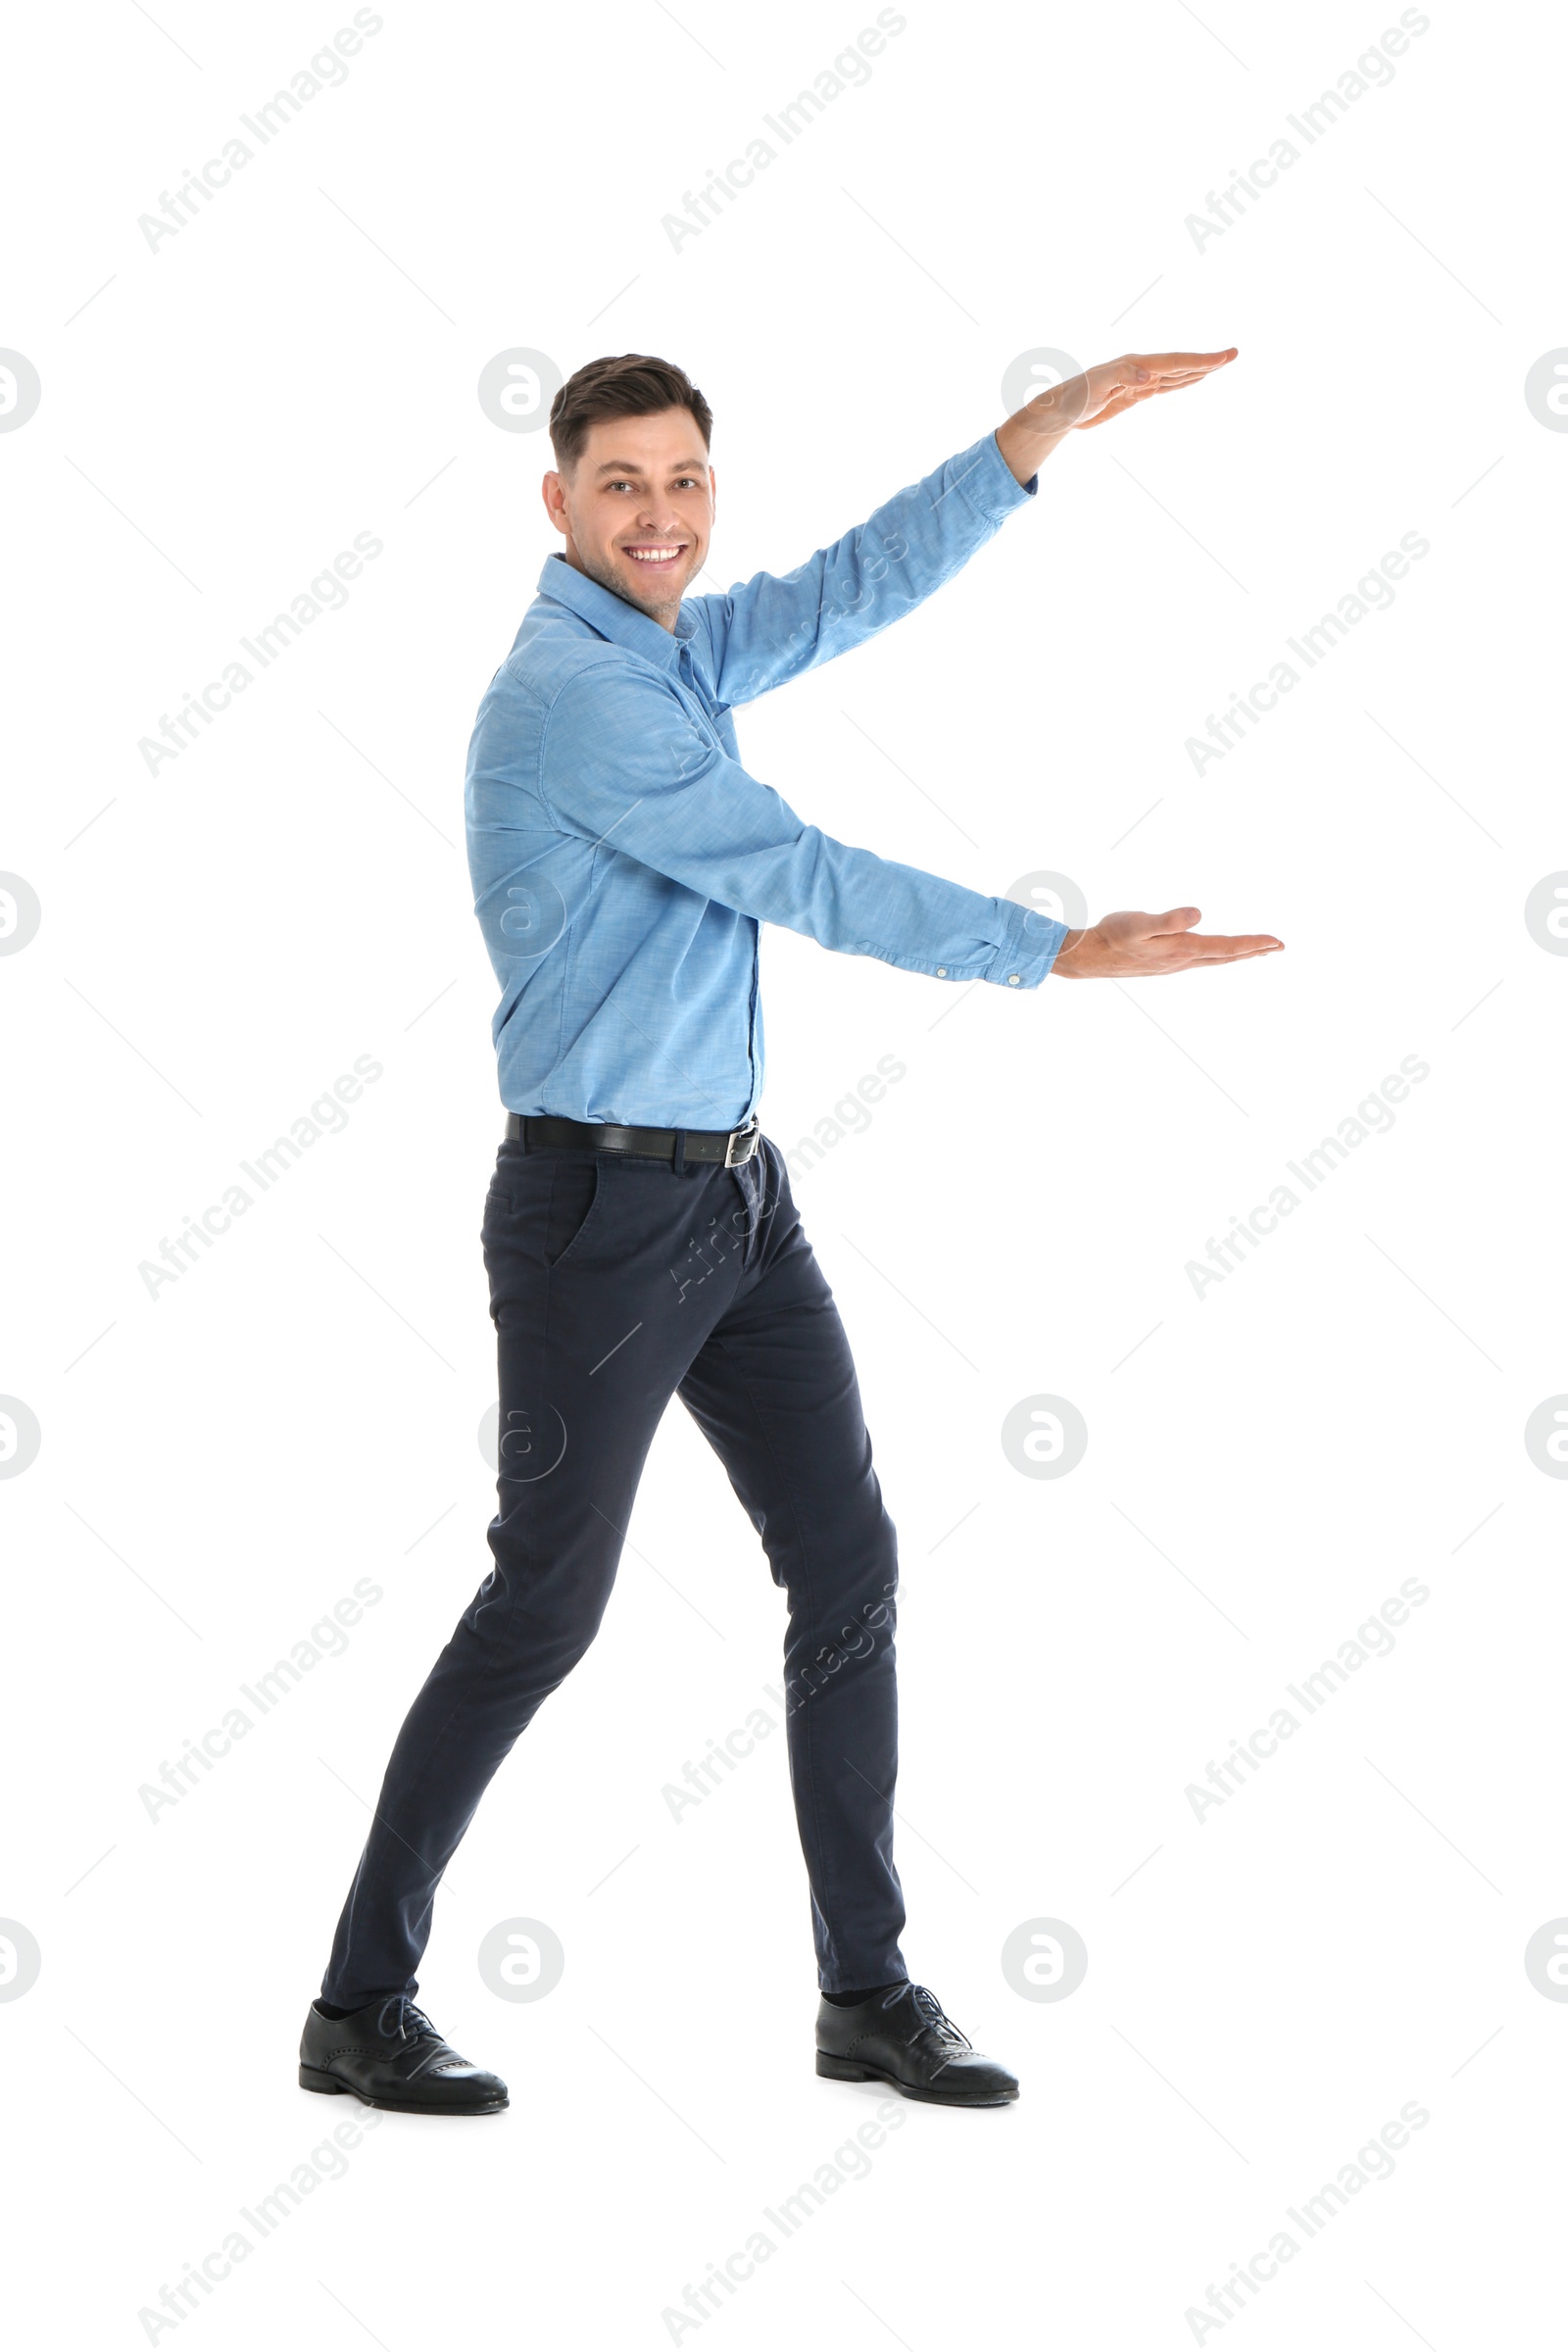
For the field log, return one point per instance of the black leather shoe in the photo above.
(904, 2038)
(389, 2055)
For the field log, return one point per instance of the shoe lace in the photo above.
(929, 2010)
(407, 2022)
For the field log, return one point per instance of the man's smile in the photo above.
(655, 553)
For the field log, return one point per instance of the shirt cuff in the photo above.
(989, 482)
(1034, 942)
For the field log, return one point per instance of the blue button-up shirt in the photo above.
(624, 859)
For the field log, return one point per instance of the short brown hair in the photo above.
(634, 385)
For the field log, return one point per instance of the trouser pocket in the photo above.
(540, 1211)
(577, 1183)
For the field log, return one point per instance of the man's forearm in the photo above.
(1029, 436)
(773, 626)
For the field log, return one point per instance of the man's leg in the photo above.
(599, 1303)
(773, 1390)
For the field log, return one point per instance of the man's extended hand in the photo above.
(1134, 947)
(1101, 392)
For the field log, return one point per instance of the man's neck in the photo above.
(666, 615)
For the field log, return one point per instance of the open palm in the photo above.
(1114, 386)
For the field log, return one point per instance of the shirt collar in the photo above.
(613, 616)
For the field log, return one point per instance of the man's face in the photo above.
(637, 509)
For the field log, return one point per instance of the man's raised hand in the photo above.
(1135, 947)
(1099, 393)
(1117, 384)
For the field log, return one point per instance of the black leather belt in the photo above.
(729, 1148)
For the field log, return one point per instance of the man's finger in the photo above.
(1180, 918)
(1127, 396)
(1201, 947)
(1213, 942)
(1196, 363)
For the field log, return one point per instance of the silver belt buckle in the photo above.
(747, 1136)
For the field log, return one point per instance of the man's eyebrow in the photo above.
(625, 466)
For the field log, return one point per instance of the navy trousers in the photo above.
(615, 1283)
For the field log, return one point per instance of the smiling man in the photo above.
(640, 1234)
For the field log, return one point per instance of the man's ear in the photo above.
(550, 490)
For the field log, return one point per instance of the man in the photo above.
(640, 1234)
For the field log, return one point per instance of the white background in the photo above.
(1266, 1463)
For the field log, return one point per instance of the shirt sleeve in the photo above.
(773, 626)
(622, 764)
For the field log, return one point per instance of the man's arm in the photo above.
(774, 625)
(623, 763)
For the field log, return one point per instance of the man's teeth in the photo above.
(653, 555)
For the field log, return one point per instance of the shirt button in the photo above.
(1012, 979)
(941, 971)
